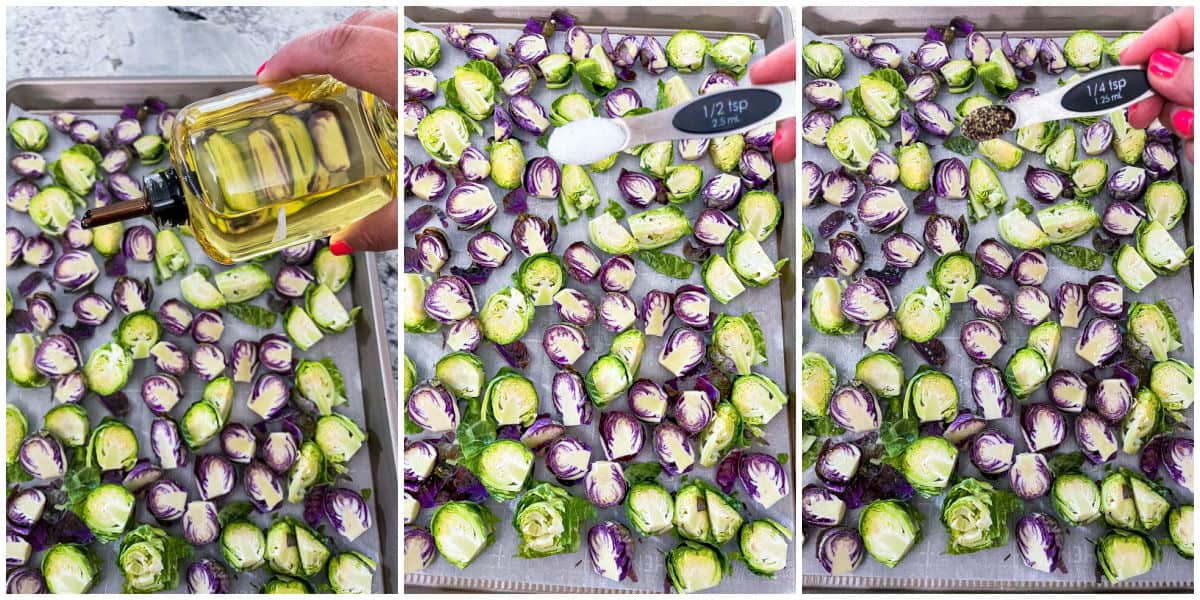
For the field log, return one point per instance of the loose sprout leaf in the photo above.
(832, 223)
(615, 210)
(204, 270)
(960, 145)
(1061, 464)
(671, 265)
(1078, 256)
(516, 354)
(250, 314)
(1024, 206)
(234, 511)
(31, 282)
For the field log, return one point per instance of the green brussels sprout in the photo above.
(596, 72)
(70, 569)
(547, 519)
(704, 514)
(107, 368)
(882, 373)
(308, 468)
(1018, 231)
(31, 135)
(1152, 331)
(955, 275)
(339, 437)
(975, 516)
(1166, 202)
(1003, 154)
(930, 396)
(604, 164)
(607, 379)
(351, 573)
(578, 193)
(52, 209)
(825, 308)
(757, 399)
(759, 212)
(916, 166)
(421, 48)
(445, 133)
(1067, 221)
(750, 262)
(968, 104)
(1037, 137)
(462, 373)
(824, 60)
(737, 342)
(655, 159)
(1045, 338)
(649, 508)
(764, 547)
(507, 163)
(1172, 381)
(21, 362)
(726, 152)
(200, 424)
(509, 399)
(889, 529)
(558, 70)
(1076, 498)
(928, 464)
(880, 99)
(720, 280)
(694, 567)
(1114, 48)
(732, 53)
(15, 430)
(506, 316)
(1060, 154)
(202, 294)
(1128, 142)
(416, 320)
(959, 75)
(540, 277)
(659, 227)
(106, 510)
(629, 346)
(1124, 554)
(170, 255)
(1084, 50)
(462, 531)
(610, 236)
(922, 314)
(138, 332)
(243, 545)
(473, 88)
(1180, 523)
(282, 584)
(683, 182)
(722, 433)
(997, 75)
(1026, 371)
(503, 467)
(686, 50)
(1159, 249)
(1089, 176)
(570, 107)
(149, 560)
(76, 169)
(984, 190)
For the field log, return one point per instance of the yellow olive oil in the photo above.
(264, 168)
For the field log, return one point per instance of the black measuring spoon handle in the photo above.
(1107, 90)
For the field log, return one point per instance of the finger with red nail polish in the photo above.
(340, 248)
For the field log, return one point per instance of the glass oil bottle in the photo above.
(266, 167)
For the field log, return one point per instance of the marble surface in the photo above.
(59, 41)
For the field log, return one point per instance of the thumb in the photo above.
(376, 232)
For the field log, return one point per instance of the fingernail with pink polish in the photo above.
(1165, 63)
(1183, 122)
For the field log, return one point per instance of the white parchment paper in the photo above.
(342, 348)
(498, 568)
(927, 560)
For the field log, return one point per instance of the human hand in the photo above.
(360, 52)
(776, 67)
(1171, 75)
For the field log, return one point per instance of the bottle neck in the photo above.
(163, 201)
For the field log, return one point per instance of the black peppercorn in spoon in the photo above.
(1097, 94)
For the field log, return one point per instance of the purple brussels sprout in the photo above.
(622, 54)
(238, 443)
(620, 101)
(414, 113)
(1030, 267)
(846, 250)
(347, 511)
(299, 254)
(280, 452)
(810, 177)
(488, 249)
(981, 339)
(1051, 56)
(883, 335)
(269, 396)
(761, 137)
(1040, 540)
(1097, 138)
(1113, 398)
(25, 580)
(166, 500)
(529, 48)
(1095, 437)
(855, 409)
(215, 476)
(581, 262)
(542, 178)
(528, 114)
(264, 487)
(822, 93)
(839, 188)
(621, 435)
(243, 360)
(56, 356)
(605, 484)
(207, 576)
(73, 270)
(16, 243)
(1031, 305)
(482, 46)
(881, 208)
(764, 478)
(617, 274)
(617, 311)
(978, 49)
(909, 130)
(25, 509)
(691, 307)
(923, 87)
(933, 118)
(815, 126)
(1177, 458)
(275, 353)
(647, 401)
(883, 169)
(427, 181)
(656, 312)
(1045, 185)
(30, 165)
(161, 392)
(693, 410)
(292, 281)
(568, 459)
(902, 250)
(42, 457)
(69, 389)
(574, 307)
(1030, 475)
(1072, 302)
(1067, 391)
(944, 235)
(564, 343)
(1042, 427)
(208, 361)
(541, 432)
(1106, 296)
(19, 194)
(992, 452)
(173, 315)
(200, 523)
(866, 301)
(419, 84)
(517, 81)
(450, 298)
(208, 326)
(837, 464)
(470, 205)
(532, 234)
(131, 295)
(683, 350)
(169, 358)
(611, 546)
(167, 444)
(570, 398)
(38, 251)
(433, 408)
(502, 129)
(884, 55)
(43, 312)
(674, 448)
(1100, 341)
(124, 187)
(76, 237)
(993, 258)
(1122, 218)
(653, 55)
(931, 55)
(990, 393)
(473, 164)
(858, 45)
(1127, 183)
(820, 507)
(840, 550)
(720, 80)
(1159, 158)
(722, 192)
(964, 427)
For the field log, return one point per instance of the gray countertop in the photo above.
(61, 41)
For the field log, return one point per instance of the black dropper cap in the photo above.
(163, 200)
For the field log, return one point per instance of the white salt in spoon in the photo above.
(712, 115)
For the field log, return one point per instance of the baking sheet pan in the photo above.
(927, 568)
(572, 573)
(363, 356)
